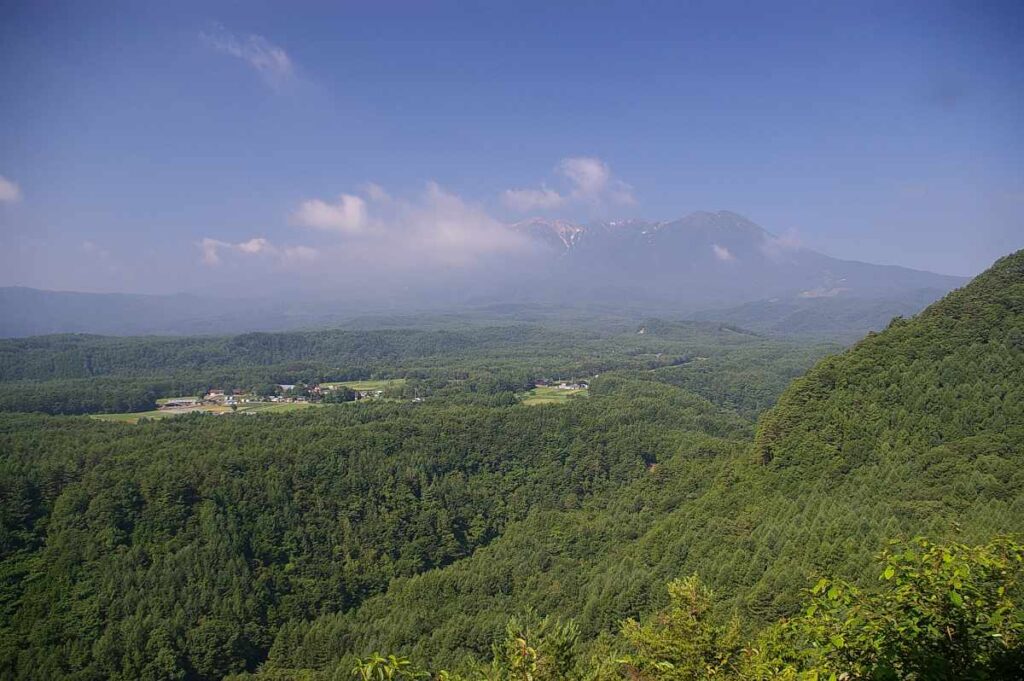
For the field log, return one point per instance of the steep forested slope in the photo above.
(919, 429)
(953, 372)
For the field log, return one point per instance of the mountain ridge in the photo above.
(708, 259)
(723, 225)
(702, 261)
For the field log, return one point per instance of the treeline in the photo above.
(114, 394)
(70, 356)
(83, 356)
(83, 396)
(488, 366)
(130, 394)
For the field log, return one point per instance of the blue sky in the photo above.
(152, 148)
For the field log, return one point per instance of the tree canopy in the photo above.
(450, 527)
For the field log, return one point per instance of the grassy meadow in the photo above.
(550, 395)
(250, 408)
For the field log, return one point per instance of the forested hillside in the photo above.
(953, 373)
(298, 545)
(759, 533)
(193, 541)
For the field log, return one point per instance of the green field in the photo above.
(382, 384)
(252, 408)
(550, 395)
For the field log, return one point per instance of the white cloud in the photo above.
(347, 215)
(593, 183)
(441, 227)
(10, 192)
(589, 176)
(214, 251)
(589, 181)
(253, 246)
(375, 192)
(414, 239)
(211, 250)
(526, 200)
(269, 60)
(434, 227)
(722, 253)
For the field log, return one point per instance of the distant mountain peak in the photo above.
(703, 256)
(559, 233)
(703, 260)
(720, 221)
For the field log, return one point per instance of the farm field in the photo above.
(253, 408)
(274, 407)
(550, 395)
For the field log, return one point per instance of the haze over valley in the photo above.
(715, 265)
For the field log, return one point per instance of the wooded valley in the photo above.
(719, 504)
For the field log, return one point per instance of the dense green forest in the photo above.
(84, 356)
(78, 374)
(665, 526)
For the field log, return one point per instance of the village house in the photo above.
(581, 385)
